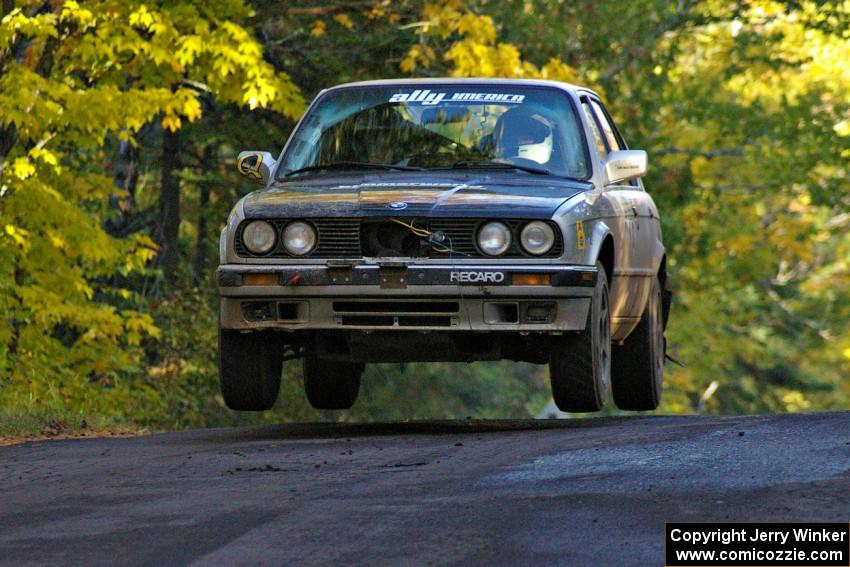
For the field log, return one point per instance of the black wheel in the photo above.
(580, 363)
(249, 369)
(637, 366)
(331, 385)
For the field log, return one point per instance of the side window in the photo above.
(612, 136)
(607, 128)
(601, 147)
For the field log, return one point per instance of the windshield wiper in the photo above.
(353, 165)
(496, 165)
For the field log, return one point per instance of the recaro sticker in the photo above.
(428, 98)
(477, 277)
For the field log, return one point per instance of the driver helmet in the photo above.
(525, 134)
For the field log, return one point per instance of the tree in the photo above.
(72, 75)
(757, 161)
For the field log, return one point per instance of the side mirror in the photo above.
(624, 165)
(256, 166)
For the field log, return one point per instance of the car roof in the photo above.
(464, 81)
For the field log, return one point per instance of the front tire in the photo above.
(331, 385)
(249, 369)
(580, 364)
(637, 369)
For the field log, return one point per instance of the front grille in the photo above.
(342, 238)
(338, 238)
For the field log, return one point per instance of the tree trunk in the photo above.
(18, 315)
(200, 266)
(8, 137)
(126, 177)
(169, 206)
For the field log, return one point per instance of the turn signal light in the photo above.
(259, 279)
(532, 279)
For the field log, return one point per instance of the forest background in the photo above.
(120, 121)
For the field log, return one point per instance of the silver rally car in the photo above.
(446, 220)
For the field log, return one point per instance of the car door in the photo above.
(630, 286)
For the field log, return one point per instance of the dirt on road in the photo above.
(580, 492)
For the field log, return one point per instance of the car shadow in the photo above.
(335, 430)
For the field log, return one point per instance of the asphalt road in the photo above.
(583, 492)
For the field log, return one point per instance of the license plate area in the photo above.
(393, 278)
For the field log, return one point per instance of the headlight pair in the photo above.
(536, 237)
(260, 237)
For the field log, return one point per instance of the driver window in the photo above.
(594, 130)
(607, 128)
(612, 136)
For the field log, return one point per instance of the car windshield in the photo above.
(496, 127)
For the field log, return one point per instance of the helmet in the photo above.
(525, 134)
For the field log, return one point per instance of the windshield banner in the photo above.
(426, 97)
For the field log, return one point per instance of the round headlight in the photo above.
(299, 238)
(494, 238)
(537, 238)
(259, 237)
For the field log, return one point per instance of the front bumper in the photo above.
(407, 296)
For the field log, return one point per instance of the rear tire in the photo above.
(331, 385)
(637, 368)
(580, 363)
(249, 369)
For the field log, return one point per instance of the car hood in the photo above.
(367, 196)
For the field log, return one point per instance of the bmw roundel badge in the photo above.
(398, 205)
